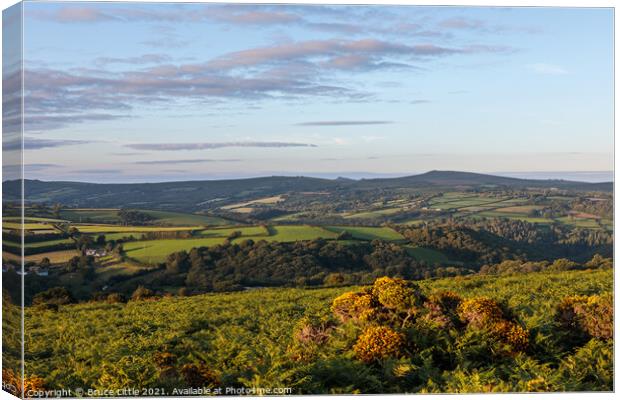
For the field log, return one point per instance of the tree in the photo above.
(54, 296)
(142, 293)
(45, 263)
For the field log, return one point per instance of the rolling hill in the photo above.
(189, 194)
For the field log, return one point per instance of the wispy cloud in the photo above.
(343, 123)
(547, 69)
(212, 145)
(138, 60)
(98, 171)
(194, 161)
(31, 143)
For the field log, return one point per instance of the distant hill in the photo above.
(457, 178)
(186, 195)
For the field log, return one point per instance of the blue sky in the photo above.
(137, 92)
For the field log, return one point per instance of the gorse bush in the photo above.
(378, 342)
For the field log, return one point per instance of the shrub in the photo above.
(312, 331)
(590, 315)
(512, 334)
(115, 298)
(55, 296)
(441, 308)
(197, 376)
(354, 305)
(394, 293)
(378, 342)
(142, 293)
(479, 311)
(164, 359)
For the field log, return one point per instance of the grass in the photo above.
(225, 232)
(32, 219)
(180, 219)
(264, 200)
(374, 213)
(156, 251)
(579, 222)
(55, 257)
(90, 214)
(119, 228)
(27, 226)
(367, 232)
(430, 256)
(292, 233)
(110, 215)
(518, 209)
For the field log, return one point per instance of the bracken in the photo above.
(592, 315)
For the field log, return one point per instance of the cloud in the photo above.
(31, 143)
(98, 171)
(547, 69)
(213, 145)
(194, 161)
(282, 71)
(463, 23)
(138, 60)
(344, 123)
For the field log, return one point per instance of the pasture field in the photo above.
(246, 337)
(264, 200)
(117, 268)
(292, 233)
(579, 222)
(180, 219)
(110, 215)
(373, 213)
(55, 257)
(27, 226)
(225, 232)
(155, 251)
(90, 214)
(32, 219)
(430, 256)
(522, 210)
(35, 245)
(121, 229)
(368, 232)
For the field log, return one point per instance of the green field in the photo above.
(90, 214)
(32, 219)
(292, 233)
(180, 219)
(55, 257)
(225, 232)
(122, 229)
(247, 337)
(27, 226)
(110, 215)
(367, 232)
(374, 213)
(155, 251)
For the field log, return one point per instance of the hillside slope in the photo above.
(245, 339)
(190, 194)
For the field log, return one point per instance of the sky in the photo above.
(133, 92)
